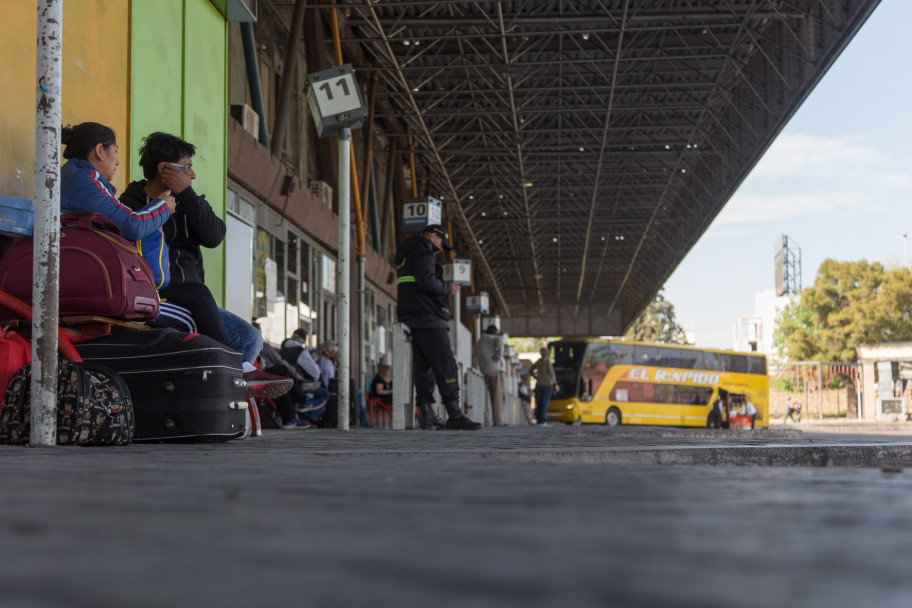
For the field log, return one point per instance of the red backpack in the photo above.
(15, 351)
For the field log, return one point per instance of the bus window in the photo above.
(646, 392)
(595, 366)
(621, 354)
(567, 354)
(711, 362)
(689, 359)
(638, 392)
(694, 395)
(756, 365)
(741, 364)
(671, 357)
(647, 355)
(664, 393)
(734, 363)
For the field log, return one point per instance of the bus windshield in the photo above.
(567, 358)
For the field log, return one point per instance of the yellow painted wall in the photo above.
(96, 80)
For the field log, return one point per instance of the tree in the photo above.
(530, 345)
(795, 331)
(850, 303)
(657, 323)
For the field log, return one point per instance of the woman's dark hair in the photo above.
(161, 147)
(82, 139)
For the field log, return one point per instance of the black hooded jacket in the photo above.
(424, 297)
(193, 224)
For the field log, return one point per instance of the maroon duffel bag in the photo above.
(101, 273)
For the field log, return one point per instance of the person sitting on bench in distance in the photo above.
(382, 385)
(295, 352)
(287, 405)
(174, 252)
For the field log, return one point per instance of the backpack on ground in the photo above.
(93, 406)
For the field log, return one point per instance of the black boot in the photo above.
(427, 419)
(457, 421)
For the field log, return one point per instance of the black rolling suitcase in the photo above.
(184, 386)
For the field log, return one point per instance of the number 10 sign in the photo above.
(335, 100)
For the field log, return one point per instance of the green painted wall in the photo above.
(179, 85)
(156, 70)
(206, 116)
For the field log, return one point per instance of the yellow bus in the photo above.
(618, 382)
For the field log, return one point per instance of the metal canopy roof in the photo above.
(583, 146)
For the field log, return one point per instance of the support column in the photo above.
(343, 277)
(46, 259)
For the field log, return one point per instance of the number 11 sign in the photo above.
(335, 100)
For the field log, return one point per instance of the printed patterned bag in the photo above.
(93, 406)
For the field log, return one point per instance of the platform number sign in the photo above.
(337, 95)
(458, 271)
(478, 304)
(335, 100)
(420, 212)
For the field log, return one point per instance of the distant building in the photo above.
(755, 333)
(886, 370)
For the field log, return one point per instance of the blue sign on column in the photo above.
(478, 304)
(17, 215)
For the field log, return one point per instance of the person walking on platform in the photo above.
(545, 384)
(794, 409)
(489, 352)
(424, 306)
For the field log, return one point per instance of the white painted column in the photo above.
(46, 261)
(343, 276)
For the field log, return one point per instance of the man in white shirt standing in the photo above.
(749, 410)
(489, 352)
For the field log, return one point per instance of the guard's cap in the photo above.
(442, 233)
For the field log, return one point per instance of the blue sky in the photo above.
(837, 181)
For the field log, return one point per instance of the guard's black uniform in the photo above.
(424, 306)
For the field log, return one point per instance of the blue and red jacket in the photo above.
(153, 247)
(82, 188)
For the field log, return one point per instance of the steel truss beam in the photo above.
(583, 146)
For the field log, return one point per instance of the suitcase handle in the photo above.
(86, 219)
(64, 345)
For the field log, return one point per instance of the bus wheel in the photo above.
(613, 417)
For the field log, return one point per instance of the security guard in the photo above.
(424, 306)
